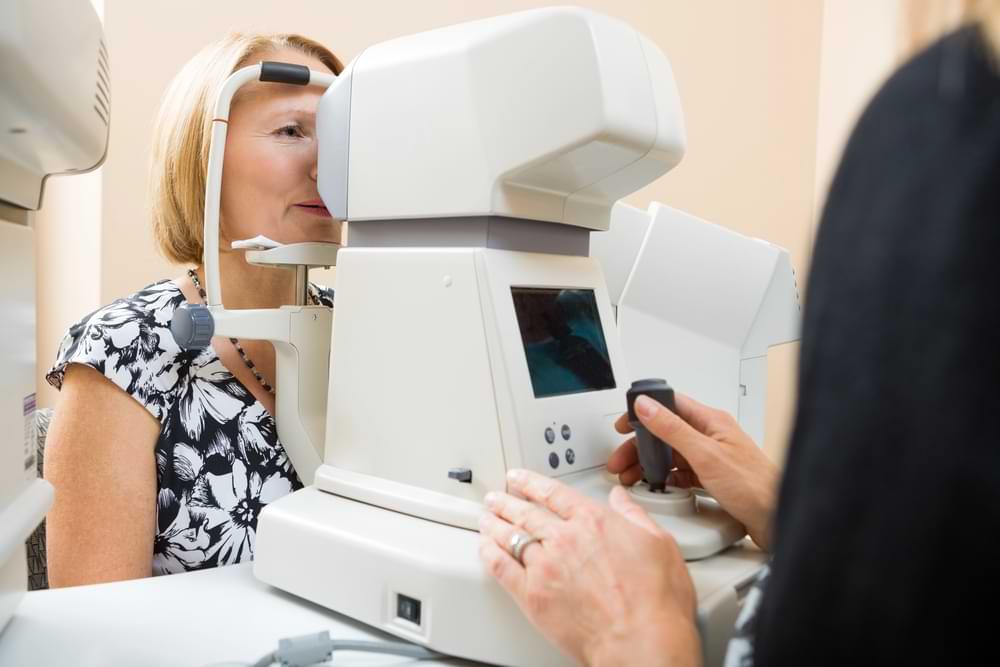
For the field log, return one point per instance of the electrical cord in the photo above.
(318, 648)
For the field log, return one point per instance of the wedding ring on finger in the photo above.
(518, 542)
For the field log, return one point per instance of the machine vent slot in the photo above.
(103, 78)
(102, 92)
(102, 96)
(101, 103)
(102, 57)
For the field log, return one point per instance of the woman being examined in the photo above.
(162, 458)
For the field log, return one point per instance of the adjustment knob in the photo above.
(193, 327)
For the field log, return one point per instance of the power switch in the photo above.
(408, 608)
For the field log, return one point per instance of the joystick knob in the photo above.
(655, 455)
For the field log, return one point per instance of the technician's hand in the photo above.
(711, 451)
(605, 585)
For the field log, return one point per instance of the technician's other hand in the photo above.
(711, 451)
(605, 585)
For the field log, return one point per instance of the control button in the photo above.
(570, 456)
(550, 435)
(554, 460)
(566, 432)
(408, 608)
(461, 474)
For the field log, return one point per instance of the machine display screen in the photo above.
(563, 340)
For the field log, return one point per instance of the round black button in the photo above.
(554, 460)
(570, 456)
(550, 435)
(566, 432)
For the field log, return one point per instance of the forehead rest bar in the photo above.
(297, 75)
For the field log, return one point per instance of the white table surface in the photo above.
(212, 617)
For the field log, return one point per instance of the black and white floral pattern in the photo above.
(218, 458)
(739, 652)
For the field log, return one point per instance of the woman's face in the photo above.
(269, 173)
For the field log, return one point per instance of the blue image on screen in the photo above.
(563, 340)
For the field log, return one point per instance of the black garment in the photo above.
(890, 504)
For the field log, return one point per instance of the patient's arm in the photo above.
(100, 458)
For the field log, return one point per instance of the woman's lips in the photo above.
(316, 208)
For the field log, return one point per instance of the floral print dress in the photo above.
(218, 458)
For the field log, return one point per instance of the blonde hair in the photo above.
(183, 129)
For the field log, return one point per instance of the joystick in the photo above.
(655, 455)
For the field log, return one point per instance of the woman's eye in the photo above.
(289, 131)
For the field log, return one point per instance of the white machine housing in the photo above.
(551, 114)
(473, 161)
(24, 499)
(54, 114)
(465, 397)
(511, 172)
(699, 305)
(56, 101)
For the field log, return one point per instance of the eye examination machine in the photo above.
(53, 120)
(492, 309)
(494, 305)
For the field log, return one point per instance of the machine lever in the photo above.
(655, 455)
(463, 475)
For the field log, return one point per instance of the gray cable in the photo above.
(319, 648)
(391, 648)
(266, 661)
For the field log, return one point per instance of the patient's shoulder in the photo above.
(129, 342)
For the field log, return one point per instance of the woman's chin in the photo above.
(321, 231)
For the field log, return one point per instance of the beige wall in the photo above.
(67, 277)
(863, 42)
(748, 74)
(860, 49)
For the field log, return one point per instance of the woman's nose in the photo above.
(313, 170)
